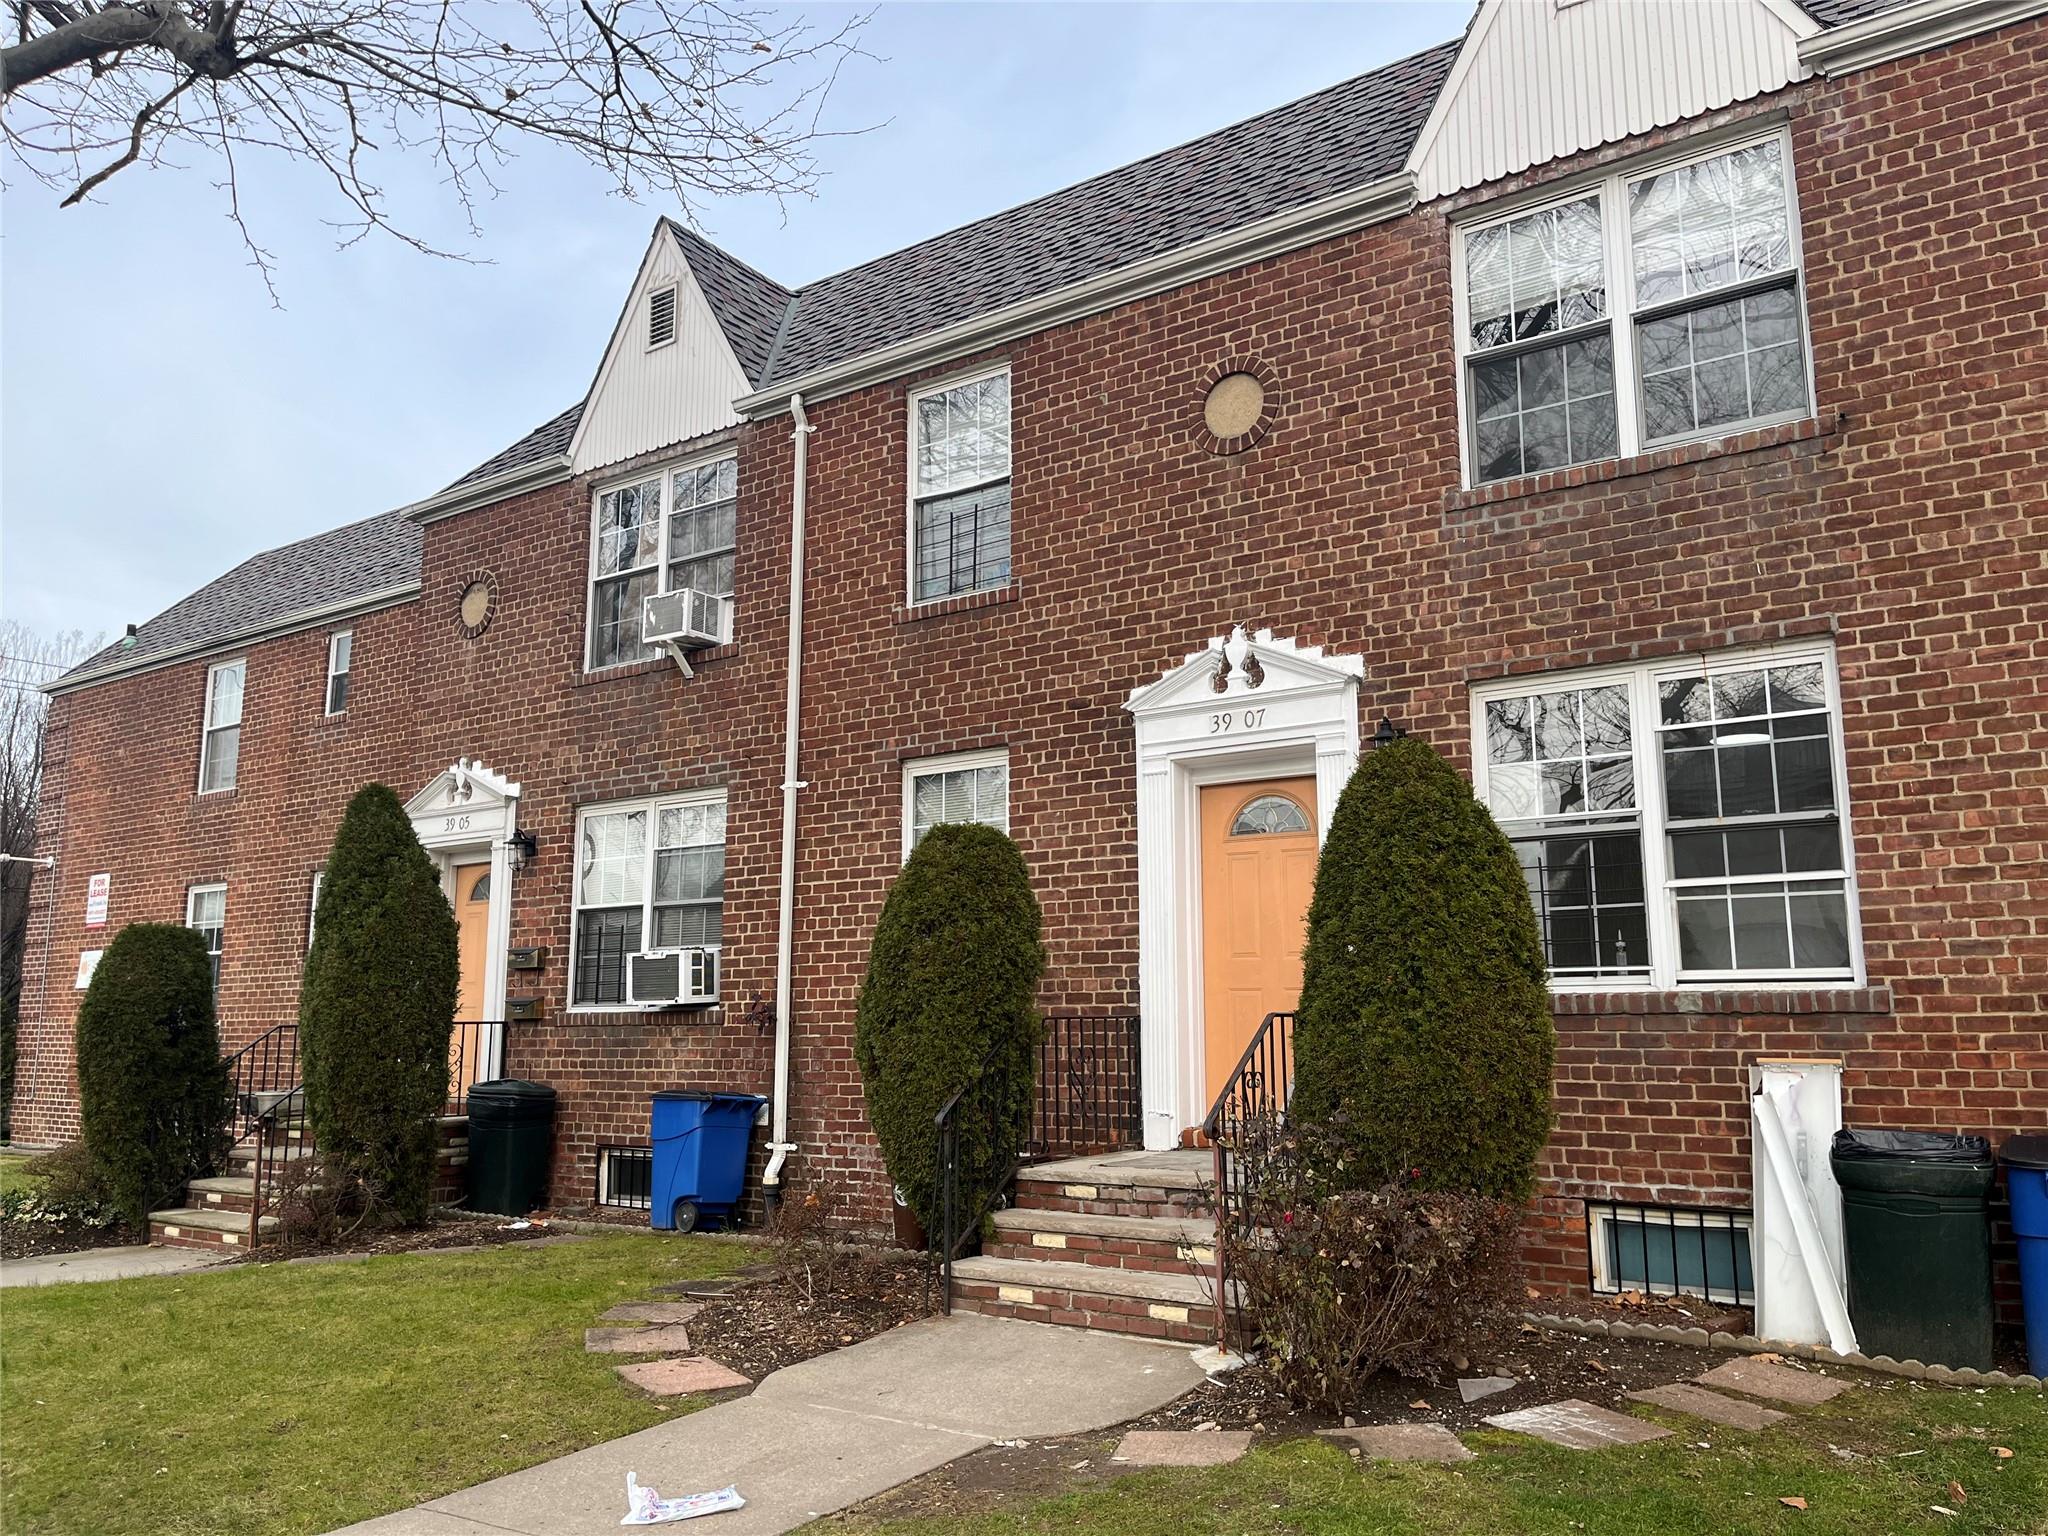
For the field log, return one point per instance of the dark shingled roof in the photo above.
(371, 556)
(549, 440)
(1839, 13)
(749, 307)
(1337, 139)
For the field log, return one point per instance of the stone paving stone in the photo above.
(673, 1378)
(1762, 1378)
(1702, 1404)
(672, 1340)
(1579, 1426)
(1473, 1388)
(1183, 1448)
(652, 1312)
(1403, 1442)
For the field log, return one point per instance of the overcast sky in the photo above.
(163, 421)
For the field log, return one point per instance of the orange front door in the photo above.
(473, 946)
(1258, 868)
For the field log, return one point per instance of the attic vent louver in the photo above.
(661, 317)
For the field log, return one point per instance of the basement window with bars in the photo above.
(1678, 822)
(960, 488)
(1663, 1250)
(650, 874)
(1659, 306)
(625, 1177)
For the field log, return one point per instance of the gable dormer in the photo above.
(669, 374)
(1539, 80)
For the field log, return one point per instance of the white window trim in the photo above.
(207, 729)
(666, 474)
(1599, 1219)
(313, 908)
(1641, 679)
(192, 895)
(653, 805)
(911, 498)
(334, 642)
(675, 325)
(918, 767)
(1611, 189)
(607, 1191)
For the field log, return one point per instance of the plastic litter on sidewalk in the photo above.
(646, 1507)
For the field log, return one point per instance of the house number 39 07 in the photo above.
(1250, 720)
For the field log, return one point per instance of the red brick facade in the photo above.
(1908, 521)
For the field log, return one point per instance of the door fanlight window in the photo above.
(1268, 814)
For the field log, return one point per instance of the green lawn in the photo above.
(1670, 1488)
(13, 1173)
(296, 1398)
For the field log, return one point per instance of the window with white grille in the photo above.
(1656, 307)
(220, 744)
(650, 874)
(670, 530)
(966, 787)
(960, 488)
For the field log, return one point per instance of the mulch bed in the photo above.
(771, 1321)
(443, 1230)
(28, 1239)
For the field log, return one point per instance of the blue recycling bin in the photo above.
(2026, 1186)
(700, 1156)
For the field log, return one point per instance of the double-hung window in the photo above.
(1648, 309)
(220, 746)
(968, 786)
(206, 910)
(662, 533)
(650, 874)
(1679, 822)
(960, 488)
(341, 648)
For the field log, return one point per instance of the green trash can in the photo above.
(1917, 1229)
(511, 1143)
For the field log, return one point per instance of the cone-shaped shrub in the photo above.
(952, 973)
(153, 1093)
(1424, 1026)
(378, 1007)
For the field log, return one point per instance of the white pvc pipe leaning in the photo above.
(779, 1145)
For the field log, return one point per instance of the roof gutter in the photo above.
(1372, 203)
(285, 624)
(478, 493)
(1911, 28)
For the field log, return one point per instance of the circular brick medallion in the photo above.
(1238, 405)
(476, 603)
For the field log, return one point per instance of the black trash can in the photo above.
(511, 1143)
(1917, 1230)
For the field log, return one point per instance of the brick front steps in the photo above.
(1120, 1243)
(193, 1227)
(1150, 1304)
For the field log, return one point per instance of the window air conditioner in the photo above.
(660, 978)
(684, 618)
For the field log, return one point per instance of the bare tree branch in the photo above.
(679, 99)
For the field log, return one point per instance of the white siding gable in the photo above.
(647, 398)
(1541, 79)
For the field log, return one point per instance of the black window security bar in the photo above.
(625, 1177)
(1669, 1250)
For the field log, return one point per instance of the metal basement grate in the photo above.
(625, 1177)
(1669, 1250)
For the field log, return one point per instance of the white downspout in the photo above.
(779, 1145)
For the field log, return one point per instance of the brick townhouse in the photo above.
(1644, 404)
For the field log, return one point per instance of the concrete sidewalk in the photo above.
(820, 1436)
(104, 1264)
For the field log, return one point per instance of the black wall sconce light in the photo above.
(1388, 733)
(521, 845)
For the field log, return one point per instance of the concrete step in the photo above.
(1148, 1303)
(1172, 1244)
(244, 1153)
(228, 1192)
(191, 1227)
(1036, 1192)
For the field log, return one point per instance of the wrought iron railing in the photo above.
(1243, 1129)
(1089, 1096)
(971, 1109)
(280, 1144)
(476, 1054)
(262, 1070)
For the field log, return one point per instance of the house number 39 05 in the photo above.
(1249, 720)
(455, 824)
